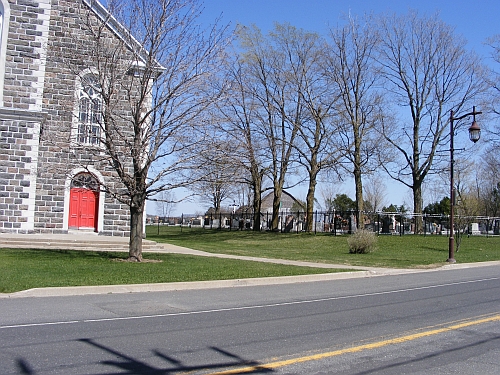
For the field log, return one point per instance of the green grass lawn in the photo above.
(392, 251)
(25, 269)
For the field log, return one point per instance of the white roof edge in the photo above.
(116, 27)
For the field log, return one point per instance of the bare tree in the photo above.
(328, 193)
(375, 193)
(165, 203)
(428, 72)
(278, 102)
(280, 107)
(488, 180)
(494, 78)
(315, 100)
(493, 99)
(467, 199)
(215, 173)
(488, 183)
(151, 67)
(352, 72)
(238, 117)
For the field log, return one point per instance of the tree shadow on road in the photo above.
(24, 367)
(129, 365)
(125, 364)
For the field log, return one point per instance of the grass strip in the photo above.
(408, 251)
(23, 269)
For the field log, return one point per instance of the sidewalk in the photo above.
(91, 241)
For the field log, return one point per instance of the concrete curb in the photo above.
(178, 286)
(175, 286)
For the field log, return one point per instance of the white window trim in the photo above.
(4, 32)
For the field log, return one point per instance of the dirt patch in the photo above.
(128, 260)
(428, 266)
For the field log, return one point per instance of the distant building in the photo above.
(288, 203)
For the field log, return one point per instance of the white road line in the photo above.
(247, 307)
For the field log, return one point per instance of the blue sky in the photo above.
(474, 20)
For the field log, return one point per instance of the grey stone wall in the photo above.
(58, 156)
(21, 112)
(18, 165)
(26, 54)
(37, 157)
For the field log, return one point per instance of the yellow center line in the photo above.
(356, 349)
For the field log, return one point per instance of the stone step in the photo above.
(63, 244)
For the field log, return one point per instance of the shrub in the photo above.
(362, 242)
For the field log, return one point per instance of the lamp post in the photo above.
(474, 135)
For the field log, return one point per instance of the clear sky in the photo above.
(474, 20)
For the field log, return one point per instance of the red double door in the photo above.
(83, 209)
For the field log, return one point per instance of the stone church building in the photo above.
(49, 115)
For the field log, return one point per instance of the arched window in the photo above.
(90, 107)
(85, 181)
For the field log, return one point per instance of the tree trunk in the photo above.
(310, 205)
(359, 198)
(417, 207)
(217, 201)
(276, 210)
(136, 232)
(257, 204)
(310, 197)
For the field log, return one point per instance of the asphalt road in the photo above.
(440, 322)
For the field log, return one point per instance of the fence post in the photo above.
(281, 221)
(297, 224)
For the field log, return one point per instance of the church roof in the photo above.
(121, 32)
(287, 201)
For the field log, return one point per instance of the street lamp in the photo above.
(474, 135)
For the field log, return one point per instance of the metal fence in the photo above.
(338, 223)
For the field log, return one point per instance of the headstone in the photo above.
(386, 225)
(474, 229)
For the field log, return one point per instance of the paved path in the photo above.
(78, 241)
